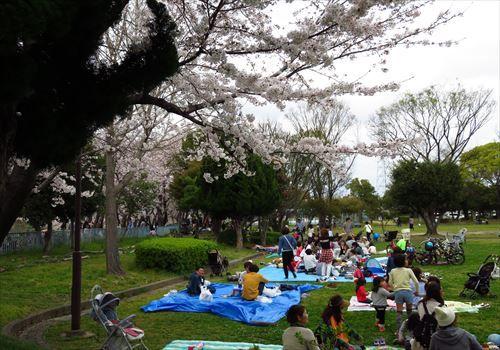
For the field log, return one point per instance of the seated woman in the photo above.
(253, 283)
(334, 332)
(298, 336)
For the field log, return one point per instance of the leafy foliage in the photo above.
(173, 254)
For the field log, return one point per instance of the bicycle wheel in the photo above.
(457, 259)
(423, 259)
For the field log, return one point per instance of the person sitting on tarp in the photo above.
(253, 283)
(196, 280)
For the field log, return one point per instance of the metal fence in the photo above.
(15, 242)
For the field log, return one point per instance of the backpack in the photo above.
(425, 328)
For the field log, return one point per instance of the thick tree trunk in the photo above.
(239, 232)
(216, 227)
(112, 254)
(430, 223)
(14, 191)
(263, 227)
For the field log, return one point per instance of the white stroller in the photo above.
(122, 335)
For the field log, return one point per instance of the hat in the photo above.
(444, 316)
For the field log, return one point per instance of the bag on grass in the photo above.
(205, 294)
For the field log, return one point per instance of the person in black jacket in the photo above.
(196, 280)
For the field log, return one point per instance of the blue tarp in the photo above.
(274, 274)
(234, 308)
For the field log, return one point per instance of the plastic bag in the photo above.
(205, 295)
(263, 299)
(271, 292)
(171, 292)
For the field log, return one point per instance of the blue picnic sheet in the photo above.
(234, 308)
(220, 345)
(274, 274)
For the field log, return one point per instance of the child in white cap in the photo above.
(450, 337)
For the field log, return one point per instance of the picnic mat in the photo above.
(457, 306)
(235, 308)
(219, 345)
(275, 274)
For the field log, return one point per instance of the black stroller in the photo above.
(479, 283)
(218, 263)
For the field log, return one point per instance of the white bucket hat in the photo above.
(444, 316)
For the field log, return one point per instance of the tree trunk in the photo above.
(47, 237)
(112, 254)
(239, 232)
(430, 222)
(14, 191)
(216, 226)
(263, 227)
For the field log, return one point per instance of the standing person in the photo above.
(196, 280)
(301, 228)
(399, 281)
(368, 230)
(379, 298)
(310, 231)
(448, 336)
(286, 245)
(398, 221)
(298, 336)
(411, 222)
(253, 283)
(326, 256)
(348, 226)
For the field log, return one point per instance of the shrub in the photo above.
(228, 237)
(173, 254)
(272, 237)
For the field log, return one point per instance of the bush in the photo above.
(227, 237)
(173, 254)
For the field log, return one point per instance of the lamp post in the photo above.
(76, 283)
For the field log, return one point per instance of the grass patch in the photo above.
(163, 327)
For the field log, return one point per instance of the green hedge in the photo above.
(229, 237)
(173, 254)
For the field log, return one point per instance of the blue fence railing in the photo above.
(15, 242)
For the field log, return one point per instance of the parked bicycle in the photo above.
(439, 251)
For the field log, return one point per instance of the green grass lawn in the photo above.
(452, 228)
(163, 327)
(32, 283)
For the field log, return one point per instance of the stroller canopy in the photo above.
(375, 267)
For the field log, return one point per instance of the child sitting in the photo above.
(310, 262)
(361, 293)
(405, 332)
(379, 298)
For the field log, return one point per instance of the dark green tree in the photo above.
(364, 191)
(240, 196)
(427, 188)
(54, 93)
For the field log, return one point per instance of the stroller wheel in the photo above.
(462, 294)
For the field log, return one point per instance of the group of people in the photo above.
(250, 284)
(325, 248)
(432, 326)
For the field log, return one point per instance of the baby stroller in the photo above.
(122, 335)
(218, 264)
(479, 283)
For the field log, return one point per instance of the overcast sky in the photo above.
(474, 63)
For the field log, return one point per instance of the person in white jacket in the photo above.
(310, 262)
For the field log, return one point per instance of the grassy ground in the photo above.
(452, 228)
(33, 283)
(163, 327)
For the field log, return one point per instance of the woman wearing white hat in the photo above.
(450, 337)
